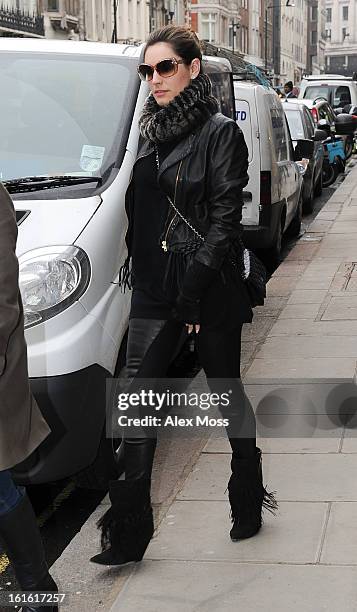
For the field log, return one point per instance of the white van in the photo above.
(337, 89)
(272, 198)
(69, 136)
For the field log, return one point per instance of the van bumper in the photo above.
(262, 236)
(74, 408)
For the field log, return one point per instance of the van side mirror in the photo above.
(303, 149)
(320, 135)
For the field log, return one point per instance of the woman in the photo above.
(22, 427)
(197, 157)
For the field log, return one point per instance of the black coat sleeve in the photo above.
(227, 175)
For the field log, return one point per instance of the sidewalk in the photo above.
(305, 558)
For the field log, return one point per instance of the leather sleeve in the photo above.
(9, 291)
(227, 175)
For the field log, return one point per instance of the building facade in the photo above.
(293, 41)
(21, 18)
(315, 59)
(341, 37)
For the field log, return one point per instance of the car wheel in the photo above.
(318, 186)
(328, 174)
(271, 257)
(295, 225)
(349, 147)
(308, 204)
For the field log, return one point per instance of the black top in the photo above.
(151, 208)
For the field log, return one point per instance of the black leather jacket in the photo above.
(204, 175)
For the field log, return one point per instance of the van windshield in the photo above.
(317, 91)
(63, 114)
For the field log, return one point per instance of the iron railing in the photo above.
(19, 21)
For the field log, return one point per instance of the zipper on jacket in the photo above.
(164, 242)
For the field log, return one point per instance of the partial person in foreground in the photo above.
(184, 206)
(22, 426)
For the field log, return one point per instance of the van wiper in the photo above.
(38, 183)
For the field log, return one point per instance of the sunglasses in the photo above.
(165, 68)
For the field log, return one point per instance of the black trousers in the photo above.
(152, 344)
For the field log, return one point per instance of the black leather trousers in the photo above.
(152, 345)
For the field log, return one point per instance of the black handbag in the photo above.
(181, 254)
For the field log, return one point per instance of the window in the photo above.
(328, 14)
(279, 134)
(344, 33)
(314, 13)
(341, 96)
(209, 27)
(313, 37)
(53, 5)
(328, 34)
(316, 91)
(345, 13)
(295, 124)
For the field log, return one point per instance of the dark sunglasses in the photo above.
(165, 68)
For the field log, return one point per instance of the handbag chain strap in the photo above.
(173, 205)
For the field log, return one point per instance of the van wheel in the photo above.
(109, 463)
(308, 204)
(318, 186)
(295, 225)
(271, 257)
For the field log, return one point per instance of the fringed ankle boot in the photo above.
(248, 496)
(127, 527)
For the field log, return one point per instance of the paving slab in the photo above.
(332, 245)
(181, 586)
(344, 227)
(300, 311)
(330, 443)
(308, 346)
(302, 477)
(325, 215)
(302, 369)
(313, 282)
(303, 251)
(199, 530)
(307, 296)
(341, 307)
(303, 327)
(281, 286)
(340, 541)
(320, 225)
(290, 268)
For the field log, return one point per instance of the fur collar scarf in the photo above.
(183, 115)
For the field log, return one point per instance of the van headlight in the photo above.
(51, 279)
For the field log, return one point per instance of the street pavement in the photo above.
(299, 368)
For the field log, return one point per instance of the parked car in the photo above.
(273, 196)
(338, 90)
(301, 125)
(69, 138)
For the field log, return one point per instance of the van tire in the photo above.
(308, 205)
(294, 228)
(271, 257)
(318, 186)
(108, 464)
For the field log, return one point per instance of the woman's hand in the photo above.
(190, 328)
(187, 310)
